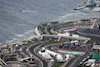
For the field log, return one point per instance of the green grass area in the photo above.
(58, 64)
(62, 26)
(8, 48)
(51, 43)
(48, 43)
(14, 44)
(49, 27)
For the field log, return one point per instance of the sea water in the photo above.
(19, 17)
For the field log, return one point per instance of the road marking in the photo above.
(37, 54)
(68, 61)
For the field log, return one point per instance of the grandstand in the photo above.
(89, 32)
(93, 31)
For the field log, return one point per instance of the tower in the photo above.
(91, 3)
(95, 25)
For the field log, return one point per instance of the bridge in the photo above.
(58, 36)
(36, 31)
(68, 37)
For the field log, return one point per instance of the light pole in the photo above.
(99, 50)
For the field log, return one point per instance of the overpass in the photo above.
(58, 36)
(36, 31)
(68, 37)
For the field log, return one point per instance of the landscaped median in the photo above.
(58, 64)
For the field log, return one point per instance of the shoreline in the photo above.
(37, 33)
(20, 41)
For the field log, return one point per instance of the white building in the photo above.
(45, 55)
(91, 61)
(76, 41)
(65, 34)
(59, 57)
(75, 35)
(67, 57)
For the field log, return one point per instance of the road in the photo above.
(55, 61)
(72, 62)
(32, 51)
(24, 50)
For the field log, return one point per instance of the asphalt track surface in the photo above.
(32, 51)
